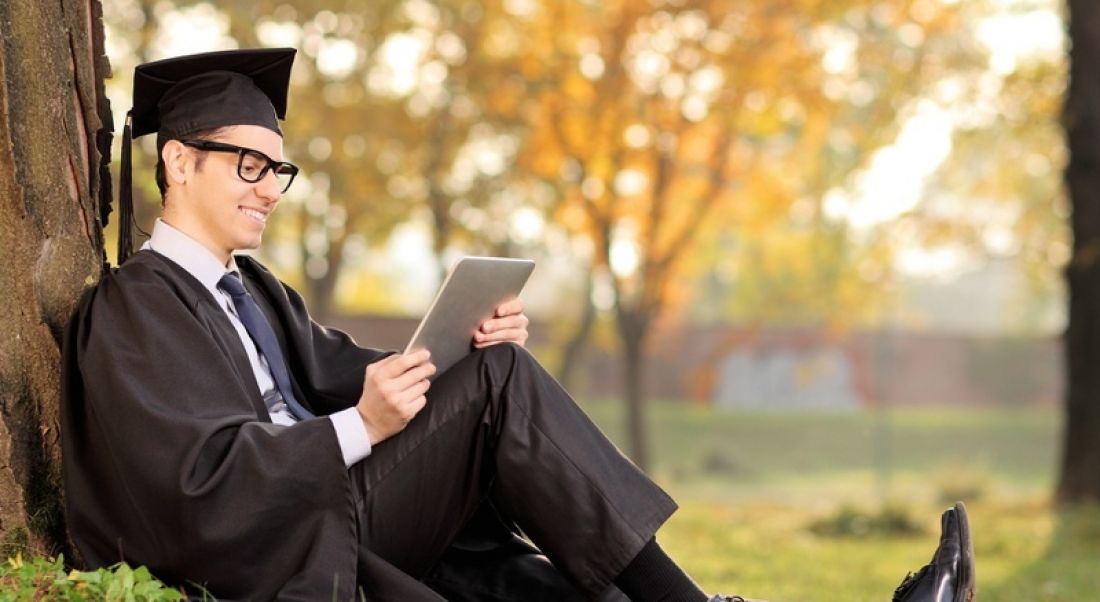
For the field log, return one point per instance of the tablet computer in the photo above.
(469, 295)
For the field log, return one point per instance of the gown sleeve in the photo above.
(167, 465)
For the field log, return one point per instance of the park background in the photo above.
(802, 260)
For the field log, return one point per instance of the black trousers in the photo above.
(498, 428)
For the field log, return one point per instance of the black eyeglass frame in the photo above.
(270, 164)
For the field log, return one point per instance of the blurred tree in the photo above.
(1005, 165)
(1079, 480)
(412, 119)
(54, 198)
(642, 166)
(672, 140)
(329, 112)
(655, 117)
(997, 196)
(807, 256)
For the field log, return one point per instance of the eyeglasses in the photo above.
(252, 165)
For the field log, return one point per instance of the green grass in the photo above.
(39, 580)
(1024, 551)
(751, 485)
(803, 454)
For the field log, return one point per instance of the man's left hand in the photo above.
(508, 325)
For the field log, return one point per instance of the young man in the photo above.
(216, 434)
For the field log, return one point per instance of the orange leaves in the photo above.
(671, 127)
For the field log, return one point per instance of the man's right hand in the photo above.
(394, 393)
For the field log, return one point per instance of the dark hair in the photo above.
(162, 181)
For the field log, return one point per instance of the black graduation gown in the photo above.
(170, 459)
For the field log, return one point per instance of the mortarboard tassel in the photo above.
(125, 196)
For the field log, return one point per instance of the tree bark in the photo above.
(1080, 480)
(54, 148)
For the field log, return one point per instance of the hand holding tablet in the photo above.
(473, 290)
(507, 325)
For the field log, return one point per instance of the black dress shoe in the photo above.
(950, 575)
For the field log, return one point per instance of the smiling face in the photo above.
(209, 202)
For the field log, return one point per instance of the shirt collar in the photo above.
(189, 254)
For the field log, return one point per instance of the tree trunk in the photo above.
(53, 152)
(321, 290)
(573, 354)
(632, 333)
(1080, 479)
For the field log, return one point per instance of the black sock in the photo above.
(652, 575)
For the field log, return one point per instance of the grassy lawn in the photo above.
(751, 484)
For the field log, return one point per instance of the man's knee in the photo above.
(482, 371)
(504, 359)
(506, 352)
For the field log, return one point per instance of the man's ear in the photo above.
(177, 162)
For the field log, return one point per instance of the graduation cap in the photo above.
(183, 95)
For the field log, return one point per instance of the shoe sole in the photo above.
(965, 592)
